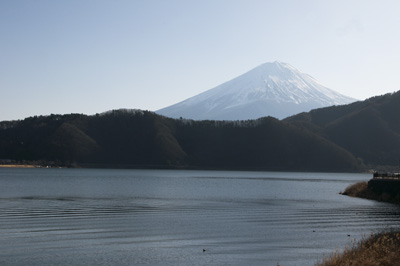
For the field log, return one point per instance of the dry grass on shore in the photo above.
(377, 250)
(359, 190)
(17, 166)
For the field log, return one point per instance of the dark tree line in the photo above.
(125, 138)
(338, 138)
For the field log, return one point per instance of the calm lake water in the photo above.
(167, 217)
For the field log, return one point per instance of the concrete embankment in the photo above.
(390, 186)
(380, 189)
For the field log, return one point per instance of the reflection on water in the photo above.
(153, 217)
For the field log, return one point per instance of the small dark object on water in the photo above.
(204, 250)
(348, 235)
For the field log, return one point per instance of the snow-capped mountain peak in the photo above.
(271, 89)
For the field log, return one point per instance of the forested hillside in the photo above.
(134, 138)
(370, 129)
(351, 137)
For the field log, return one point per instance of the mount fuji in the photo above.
(272, 89)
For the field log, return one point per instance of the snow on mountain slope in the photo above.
(272, 89)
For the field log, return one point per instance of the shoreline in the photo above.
(17, 166)
(368, 190)
(376, 249)
(50, 164)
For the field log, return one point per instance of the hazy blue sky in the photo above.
(82, 56)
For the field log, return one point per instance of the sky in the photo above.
(91, 56)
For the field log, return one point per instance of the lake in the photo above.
(167, 217)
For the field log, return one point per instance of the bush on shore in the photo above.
(377, 250)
